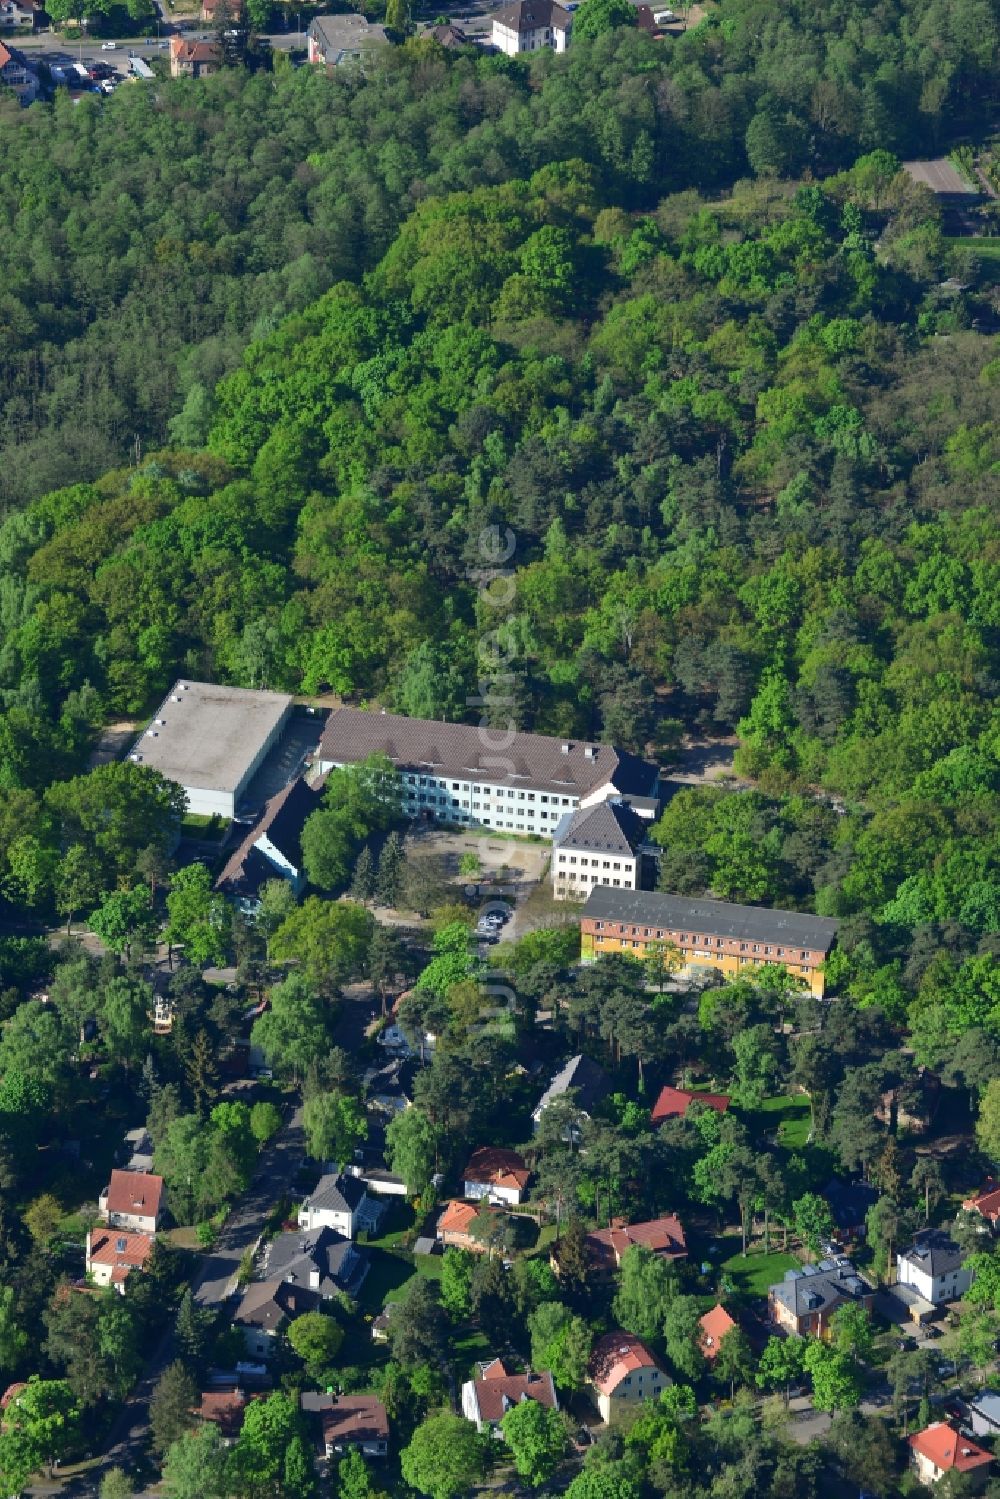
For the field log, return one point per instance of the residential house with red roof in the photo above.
(133, 1200)
(986, 1204)
(940, 1448)
(495, 1174)
(663, 1235)
(673, 1103)
(194, 59)
(112, 1254)
(349, 1421)
(455, 1224)
(224, 1409)
(487, 1398)
(714, 1326)
(623, 1373)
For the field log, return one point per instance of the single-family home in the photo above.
(357, 1422)
(599, 845)
(454, 1226)
(911, 1104)
(589, 1083)
(265, 1308)
(16, 75)
(941, 1448)
(623, 1373)
(932, 1266)
(673, 1103)
(340, 1202)
(849, 1203)
(488, 1397)
(986, 1204)
(319, 1260)
(334, 41)
(984, 1413)
(19, 13)
(224, 1409)
(531, 26)
(133, 1200)
(807, 1298)
(664, 1236)
(713, 1328)
(191, 59)
(497, 1174)
(272, 849)
(112, 1253)
(382, 1322)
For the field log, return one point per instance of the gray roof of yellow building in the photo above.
(717, 918)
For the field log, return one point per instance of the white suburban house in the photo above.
(932, 1267)
(487, 1398)
(479, 777)
(530, 26)
(132, 1200)
(341, 1203)
(941, 1448)
(211, 741)
(599, 845)
(496, 1174)
(623, 1372)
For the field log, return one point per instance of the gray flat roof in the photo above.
(717, 918)
(208, 737)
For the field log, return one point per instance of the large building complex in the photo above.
(212, 740)
(465, 774)
(707, 933)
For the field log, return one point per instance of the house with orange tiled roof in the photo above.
(673, 1103)
(487, 1398)
(714, 1326)
(664, 1236)
(190, 59)
(986, 1204)
(455, 1224)
(941, 1448)
(623, 1373)
(113, 1253)
(495, 1174)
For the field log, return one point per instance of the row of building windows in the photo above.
(633, 942)
(595, 879)
(542, 796)
(590, 863)
(701, 941)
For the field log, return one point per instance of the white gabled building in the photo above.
(531, 26)
(480, 777)
(933, 1267)
(598, 846)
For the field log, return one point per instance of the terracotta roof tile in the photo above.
(615, 1356)
(947, 1448)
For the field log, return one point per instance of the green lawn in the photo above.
(753, 1275)
(790, 1115)
(389, 1272)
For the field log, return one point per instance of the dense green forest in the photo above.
(147, 237)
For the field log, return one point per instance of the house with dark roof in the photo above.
(941, 1448)
(448, 774)
(349, 1422)
(497, 1174)
(334, 41)
(673, 1103)
(266, 1307)
(663, 1236)
(588, 1083)
(600, 845)
(340, 1202)
(933, 1268)
(849, 1203)
(807, 1298)
(487, 1398)
(708, 933)
(225, 1410)
(272, 849)
(319, 1260)
(17, 75)
(531, 26)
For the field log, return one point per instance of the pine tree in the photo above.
(194, 1328)
(300, 1479)
(390, 870)
(363, 879)
(170, 1406)
(201, 1072)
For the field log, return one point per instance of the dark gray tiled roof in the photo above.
(718, 918)
(815, 1288)
(934, 1253)
(464, 751)
(589, 1082)
(530, 15)
(339, 1194)
(293, 1257)
(281, 821)
(610, 827)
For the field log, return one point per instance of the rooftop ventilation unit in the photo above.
(565, 749)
